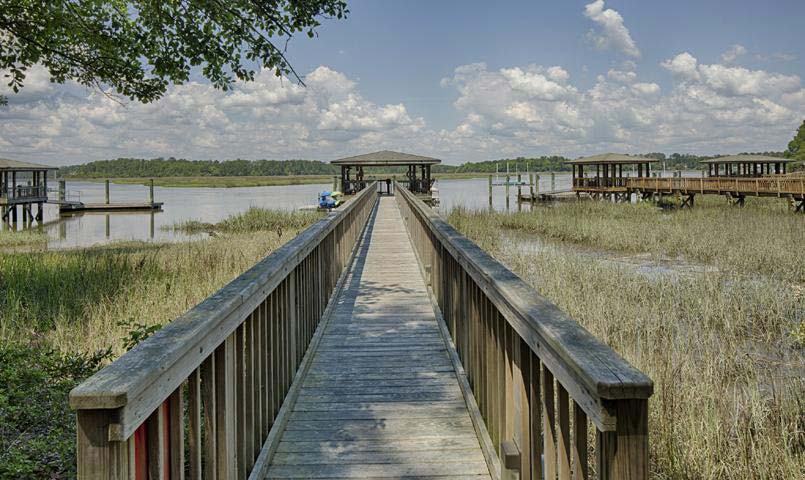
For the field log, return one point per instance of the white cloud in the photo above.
(708, 109)
(267, 118)
(684, 65)
(612, 32)
(621, 76)
(733, 53)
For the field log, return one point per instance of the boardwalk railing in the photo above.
(531, 368)
(766, 186)
(199, 397)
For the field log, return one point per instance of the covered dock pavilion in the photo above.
(746, 165)
(418, 173)
(23, 184)
(610, 177)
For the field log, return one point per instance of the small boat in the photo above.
(330, 200)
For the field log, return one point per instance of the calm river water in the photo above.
(214, 204)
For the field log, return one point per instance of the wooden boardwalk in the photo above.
(381, 398)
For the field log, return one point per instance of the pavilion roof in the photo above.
(745, 158)
(9, 165)
(386, 158)
(609, 158)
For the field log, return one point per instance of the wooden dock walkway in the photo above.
(333, 358)
(381, 398)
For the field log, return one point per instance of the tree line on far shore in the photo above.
(178, 167)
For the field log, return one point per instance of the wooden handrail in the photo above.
(771, 185)
(233, 355)
(513, 343)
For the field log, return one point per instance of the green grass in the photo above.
(722, 347)
(59, 309)
(252, 220)
(22, 239)
(221, 182)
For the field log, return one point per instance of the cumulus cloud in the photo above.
(268, 118)
(709, 108)
(611, 32)
(733, 53)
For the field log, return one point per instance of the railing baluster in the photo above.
(226, 462)
(548, 424)
(194, 409)
(176, 438)
(563, 441)
(209, 456)
(580, 469)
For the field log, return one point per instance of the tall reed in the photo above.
(729, 375)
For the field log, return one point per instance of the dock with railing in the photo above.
(379, 342)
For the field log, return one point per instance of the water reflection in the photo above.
(214, 204)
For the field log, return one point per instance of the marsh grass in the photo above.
(763, 237)
(65, 313)
(729, 375)
(252, 220)
(81, 300)
(27, 239)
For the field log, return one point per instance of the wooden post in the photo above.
(490, 192)
(519, 188)
(335, 183)
(106, 189)
(96, 456)
(508, 179)
(531, 185)
(510, 466)
(624, 453)
(150, 191)
(553, 181)
(62, 190)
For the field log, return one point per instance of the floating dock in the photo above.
(75, 207)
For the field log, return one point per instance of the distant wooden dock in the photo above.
(66, 207)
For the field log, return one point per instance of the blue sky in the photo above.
(463, 81)
(399, 51)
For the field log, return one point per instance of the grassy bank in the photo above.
(219, 182)
(253, 181)
(26, 239)
(723, 347)
(64, 313)
(763, 237)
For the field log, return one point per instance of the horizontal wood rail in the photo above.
(777, 186)
(530, 367)
(199, 397)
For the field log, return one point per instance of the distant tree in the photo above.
(796, 147)
(139, 47)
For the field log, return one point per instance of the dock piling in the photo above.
(106, 187)
(62, 190)
(490, 192)
(508, 179)
(553, 181)
(150, 192)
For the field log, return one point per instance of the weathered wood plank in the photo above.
(381, 398)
